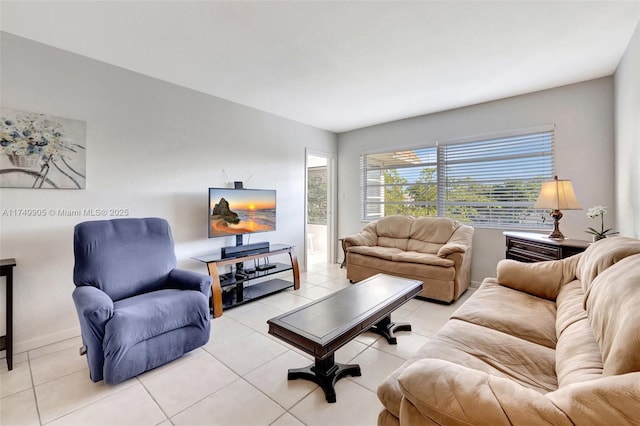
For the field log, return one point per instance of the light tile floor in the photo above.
(238, 378)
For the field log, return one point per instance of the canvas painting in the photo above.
(42, 151)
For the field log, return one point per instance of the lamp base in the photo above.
(556, 234)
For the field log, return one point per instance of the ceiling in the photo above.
(342, 65)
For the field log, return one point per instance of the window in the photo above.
(486, 182)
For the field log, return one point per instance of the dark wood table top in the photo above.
(321, 327)
(7, 262)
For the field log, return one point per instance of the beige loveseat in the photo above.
(549, 343)
(434, 250)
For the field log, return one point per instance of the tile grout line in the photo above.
(33, 389)
(167, 418)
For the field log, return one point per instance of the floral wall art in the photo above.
(41, 151)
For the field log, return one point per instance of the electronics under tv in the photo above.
(237, 211)
(244, 250)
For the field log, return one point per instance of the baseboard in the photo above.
(475, 284)
(28, 345)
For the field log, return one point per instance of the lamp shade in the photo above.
(557, 195)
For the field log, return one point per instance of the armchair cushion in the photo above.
(123, 257)
(148, 315)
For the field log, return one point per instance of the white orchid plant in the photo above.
(595, 212)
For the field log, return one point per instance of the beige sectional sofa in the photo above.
(434, 250)
(554, 342)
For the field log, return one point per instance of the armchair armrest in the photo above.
(446, 393)
(542, 279)
(190, 280)
(92, 304)
(95, 309)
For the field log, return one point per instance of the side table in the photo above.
(6, 341)
(533, 247)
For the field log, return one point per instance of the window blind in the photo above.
(490, 182)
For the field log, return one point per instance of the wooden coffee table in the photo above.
(322, 327)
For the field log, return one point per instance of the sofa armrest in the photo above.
(366, 237)
(190, 280)
(460, 242)
(446, 393)
(542, 279)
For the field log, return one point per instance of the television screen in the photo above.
(241, 211)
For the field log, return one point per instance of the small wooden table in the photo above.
(322, 327)
(6, 341)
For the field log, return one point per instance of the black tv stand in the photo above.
(234, 288)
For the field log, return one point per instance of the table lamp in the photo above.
(557, 195)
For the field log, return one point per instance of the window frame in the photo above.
(541, 161)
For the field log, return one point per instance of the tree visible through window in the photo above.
(317, 196)
(491, 182)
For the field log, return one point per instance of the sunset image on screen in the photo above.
(241, 211)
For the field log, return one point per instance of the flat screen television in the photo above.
(235, 212)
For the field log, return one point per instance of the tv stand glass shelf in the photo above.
(235, 288)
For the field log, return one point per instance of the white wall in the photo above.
(582, 113)
(153, 148)
(627, 129)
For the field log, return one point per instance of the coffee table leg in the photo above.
(325, 373)
(387, 329)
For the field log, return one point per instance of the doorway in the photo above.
(320, 243)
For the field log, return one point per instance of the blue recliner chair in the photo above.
(136, 310)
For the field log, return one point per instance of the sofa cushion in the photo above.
(613, 302)
(424, 258)
(542, 279)
(483, 349)
(438, 392)
(578, 357)
(393, 231)
(569, 305)
(375, 251)
(601, 255)
(609, 400)
(433, 229)
(510, 311)
(423, 246)
(497, 353)
(418, 271)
